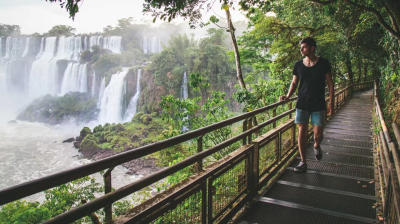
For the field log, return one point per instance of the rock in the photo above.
(12, 122)
(85, 131)
(77, 144)
(69, 140)
(88, 146)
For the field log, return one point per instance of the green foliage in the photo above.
(61, 30)
(84, 132)
(57, 200)
(9, 30)
(86, 56)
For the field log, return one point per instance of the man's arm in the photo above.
(331, 108)
(293, 87)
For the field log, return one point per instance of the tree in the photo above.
(9, 30)
(62, 30)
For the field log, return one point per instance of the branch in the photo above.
(381, 20)
(323, 2)
(394, 23)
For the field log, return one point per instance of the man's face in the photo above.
(305, 49)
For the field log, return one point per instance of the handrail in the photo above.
(390, 162)
(35, 186)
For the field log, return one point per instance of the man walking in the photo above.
(311, 72)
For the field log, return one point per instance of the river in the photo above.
(32, 150)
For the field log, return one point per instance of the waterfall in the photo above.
(111, 102)
(43, 76)
(1, 47)
(101, 90)
(74, 79)
(184, 88)
(133, 104)
(184, 95)
(93, 91)
(113, 43)
(145, 47)
(69, 48)
(95, 40)
(27, 47)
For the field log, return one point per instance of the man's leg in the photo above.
(302, 118)
(318, 135)
(302, 141)
(318, 120)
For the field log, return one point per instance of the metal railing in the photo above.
(216, 192)
(388, 166)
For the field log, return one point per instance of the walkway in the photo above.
(338, 189)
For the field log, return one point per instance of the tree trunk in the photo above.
(231, 30)
(365, 70)
(349, 71)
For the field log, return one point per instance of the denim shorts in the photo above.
(303, 116)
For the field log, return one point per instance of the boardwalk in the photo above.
(338, 189)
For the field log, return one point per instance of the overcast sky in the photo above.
(40, 16)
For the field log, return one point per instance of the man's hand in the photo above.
(283, 98)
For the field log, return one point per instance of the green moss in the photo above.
(84, 132)
(90, 142)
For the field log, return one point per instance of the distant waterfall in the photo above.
(184, 87)
(27, 47)
(133, 104)
(74, 79)
(184, 95)
(101, 90)
(1, 47)
(111, 101)
(152, 45)
(43, 76)
(69, 48)
(113, 43)
(93, 91)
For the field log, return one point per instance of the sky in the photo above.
(40, 16)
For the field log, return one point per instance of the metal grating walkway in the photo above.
(338, 189)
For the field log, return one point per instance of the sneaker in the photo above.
(318, 153)
(302, 167)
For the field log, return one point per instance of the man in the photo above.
(311, 72)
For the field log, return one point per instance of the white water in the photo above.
(93, 91)
(75, 78)
(113, 43)
(31, 150)
(69, 48)
(111, 102)
(101, 91)
(133, 104)
(27, 47)
(152, 45)
(184, 95)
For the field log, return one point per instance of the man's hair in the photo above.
(310, 42)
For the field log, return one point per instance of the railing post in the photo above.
(200, 149)
(250, 126)
(274, 115)
(255, 167)
(107, 189)
(204, 202)
(244, 129)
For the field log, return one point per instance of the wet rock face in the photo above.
(89, 146)
(69, 140)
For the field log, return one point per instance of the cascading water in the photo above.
(184, 95)
(152, 45)
(101, 90)
(69, 48)
(43, 77)
(93, 90)
(111, 102)
(133, 104)
(74, 79)
(113, 43)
